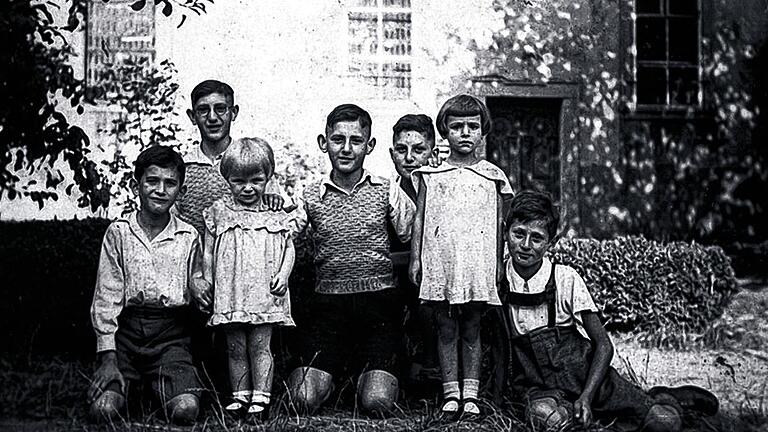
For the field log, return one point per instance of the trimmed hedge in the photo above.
(666, 293)
(661, 292)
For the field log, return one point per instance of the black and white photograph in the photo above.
(384, 215)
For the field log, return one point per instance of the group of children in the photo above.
(441, 223)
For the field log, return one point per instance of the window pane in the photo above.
(683, 7)
(364, 3)
(651, 34)
(648, 6)
(397, 3)
(651, 85)
(362, 33)
(683, 86)
(397, 34)
(683, 40)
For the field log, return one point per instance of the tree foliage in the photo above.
(34, 133)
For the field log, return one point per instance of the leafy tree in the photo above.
(36, 77)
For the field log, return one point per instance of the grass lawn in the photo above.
(48, 394)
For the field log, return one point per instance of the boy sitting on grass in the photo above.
(560, 352)
(139, 304)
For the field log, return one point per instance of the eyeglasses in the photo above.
(218, 109)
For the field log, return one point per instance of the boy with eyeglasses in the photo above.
(213, 111)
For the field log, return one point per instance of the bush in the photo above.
(48, 271)
(662, 292)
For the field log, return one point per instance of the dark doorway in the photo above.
(525, 141)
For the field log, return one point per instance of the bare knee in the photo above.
(546, 412)
(309, 387)
(377, 391)
(183, 409)
(662, 418)
(107, 406)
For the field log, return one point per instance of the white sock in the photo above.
(258, 400)
(241, 398)
(451, 390)
(469, 390)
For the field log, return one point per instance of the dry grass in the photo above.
(49, 394)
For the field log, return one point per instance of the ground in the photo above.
(38, 395)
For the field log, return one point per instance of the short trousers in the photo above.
(154, 344)
(554, 362)
(347, 334)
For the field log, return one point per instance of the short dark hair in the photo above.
(531, 205)
(161, 156)
(420, 123)
(461, 106)
(208, 87)
(348, 112)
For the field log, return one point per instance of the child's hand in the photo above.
(279, 285)
(106, 372)
(201, 292)
(414, 272)
(434, 159)
(582, 410)
(273, 201)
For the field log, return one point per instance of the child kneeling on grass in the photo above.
(142, 290)
(560, 352)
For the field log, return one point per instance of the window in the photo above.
(380, 46)
(667, 39)
(116, 33)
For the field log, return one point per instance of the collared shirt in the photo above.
(134, 270)
(401, 209)
(573, 298)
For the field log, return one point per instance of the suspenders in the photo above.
(549, 295)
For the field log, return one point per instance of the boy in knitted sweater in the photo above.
(355, 310)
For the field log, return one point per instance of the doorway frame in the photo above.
(568, 94)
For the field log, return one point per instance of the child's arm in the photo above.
(401, 212)
(603, 353)
(414, 270)
(198, 286)
(279, 284)
(108, 300)
(500, 273)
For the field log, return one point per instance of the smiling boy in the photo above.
(561, 353)
(138, 309)
(354, 313)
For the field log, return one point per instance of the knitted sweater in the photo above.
(205, 185)
(350, 237)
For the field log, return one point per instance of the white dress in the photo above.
(459, 236)
(249, 244)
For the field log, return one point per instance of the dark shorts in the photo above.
(154, 345)
(555, 363)
(347, 334)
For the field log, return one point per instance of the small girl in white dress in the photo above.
(456, 253)
(248, 258)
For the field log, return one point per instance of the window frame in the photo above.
(635, 63)
(381, 58)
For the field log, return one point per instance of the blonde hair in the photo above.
(247, 155)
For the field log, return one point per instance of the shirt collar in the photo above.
(168, 233)
(537, 283)
(196, 156)
(328, 183)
